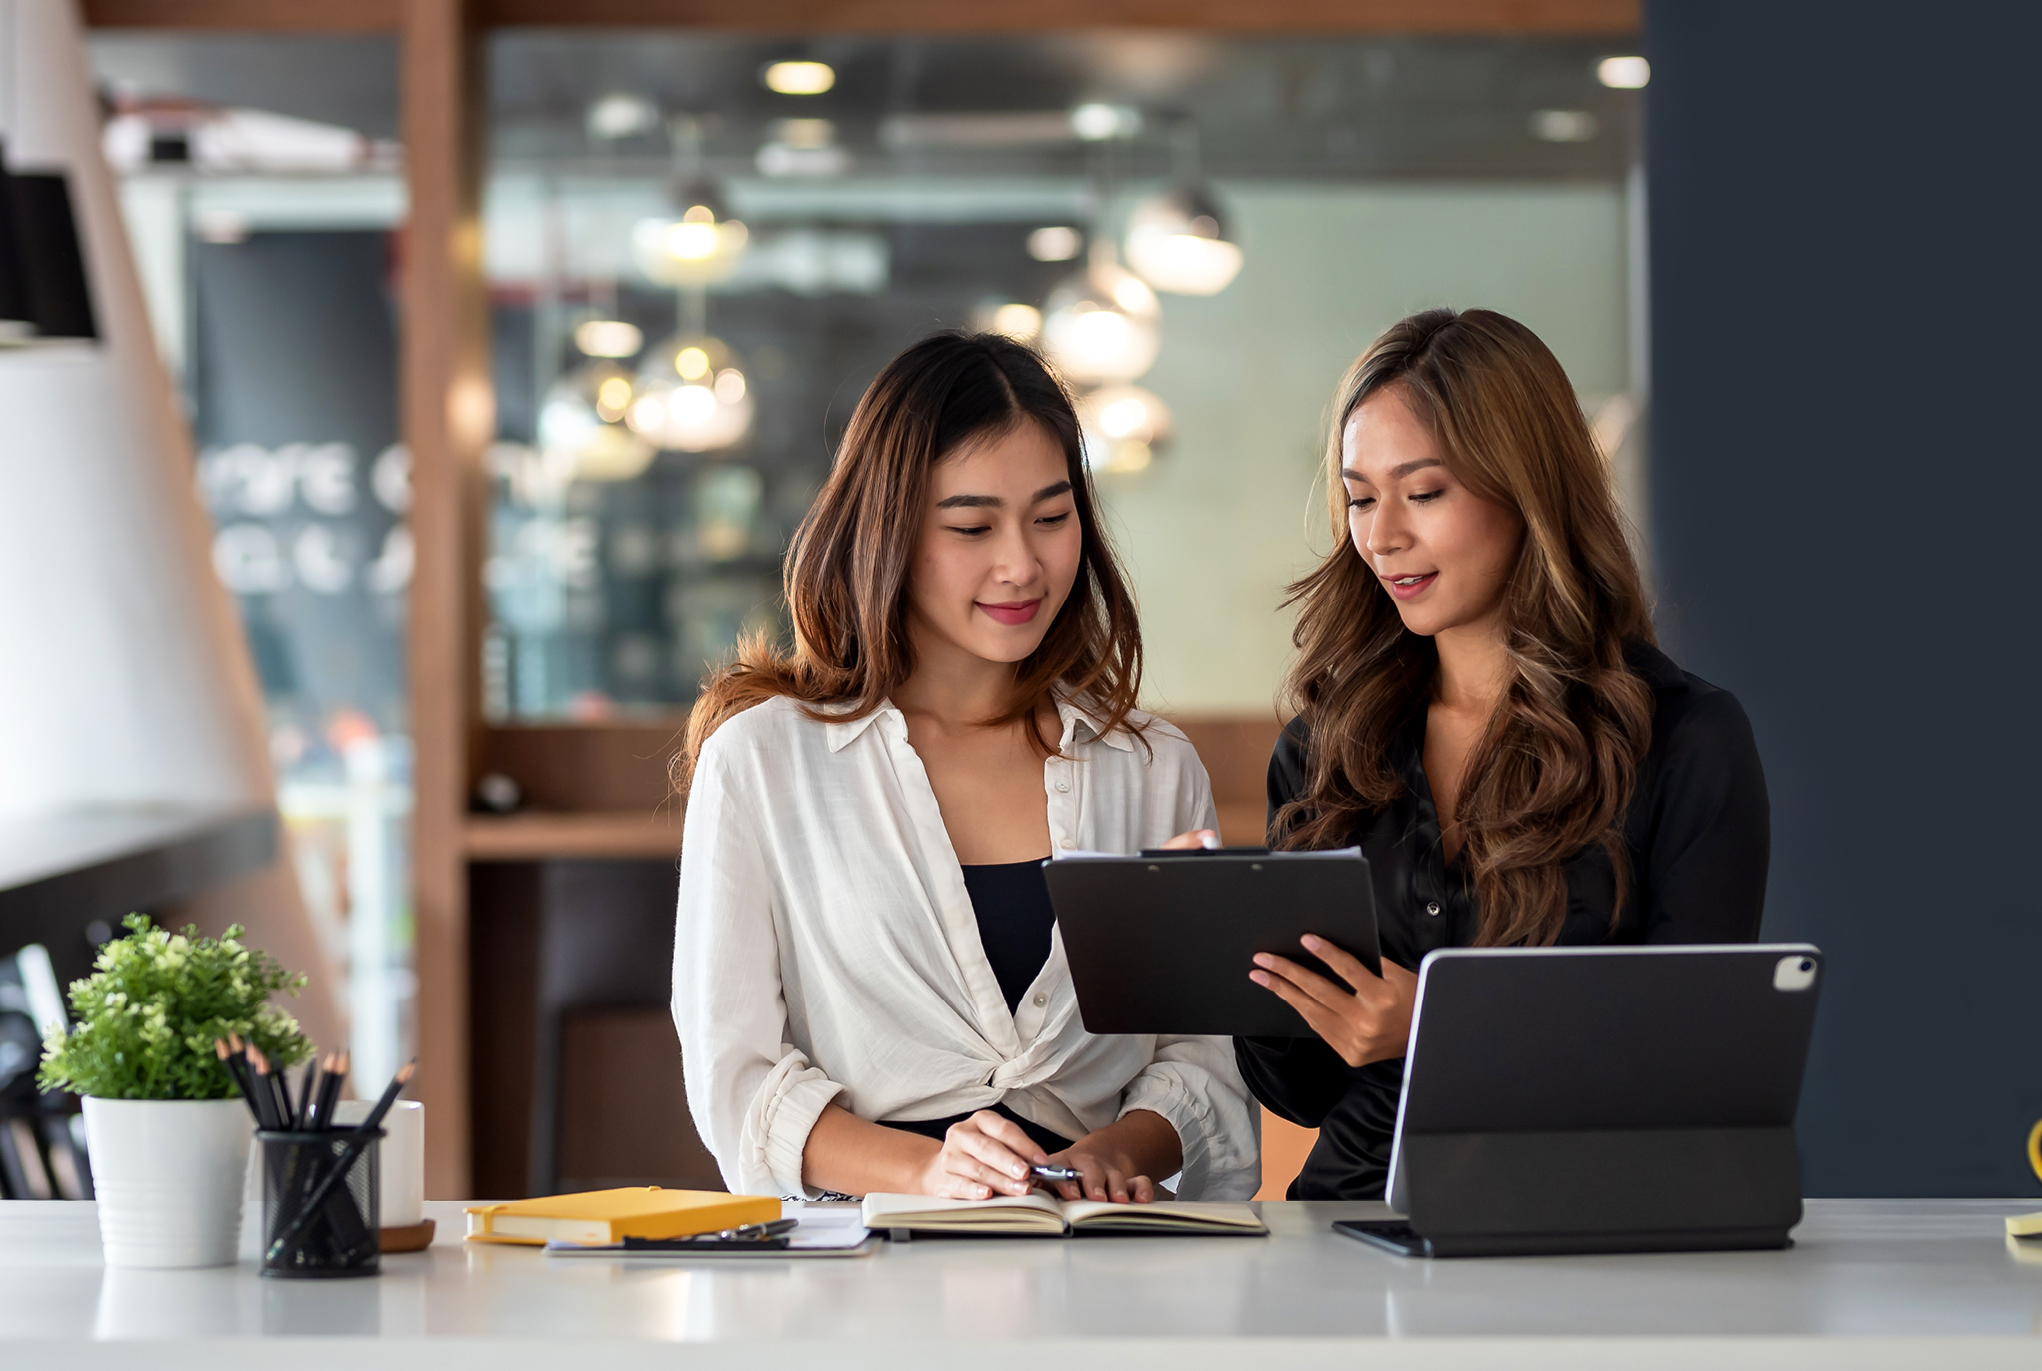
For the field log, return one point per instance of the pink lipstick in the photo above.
(1019, 612)
(1409, 587)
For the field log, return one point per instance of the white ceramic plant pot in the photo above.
(167, 1174)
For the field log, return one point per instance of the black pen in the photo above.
(748, 1232)
(1054, 1173)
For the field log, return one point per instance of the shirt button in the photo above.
(1063, 785)
(1041, 998)
(1432, 908)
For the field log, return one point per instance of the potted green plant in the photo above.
(165, 1127)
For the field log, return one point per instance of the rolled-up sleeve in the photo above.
(753, 1095)
(1194, 1083)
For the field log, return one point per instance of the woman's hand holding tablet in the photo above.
(1159, 943)
(1196, 840)
(1372, 1023)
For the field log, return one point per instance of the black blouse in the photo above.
(1699, 836)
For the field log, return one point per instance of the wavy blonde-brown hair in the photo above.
(846, 573)
(1554, 770)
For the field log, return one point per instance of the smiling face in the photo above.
(1442, 552)
(1000, 547)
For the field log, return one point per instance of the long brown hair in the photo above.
(846, 574)
(1553, 772)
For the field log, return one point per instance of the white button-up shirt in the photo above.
(826, 949)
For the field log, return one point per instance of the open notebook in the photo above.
(1046, 1216)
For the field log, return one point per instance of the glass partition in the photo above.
(263, 195)
(701, 248)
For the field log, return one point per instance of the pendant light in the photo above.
(704, 243)
(606, 336)
(1008, 318)
(602, 332)
(1179, 240)
(1100, 325)
(1121, 427)
(582, 425)
(692, 395)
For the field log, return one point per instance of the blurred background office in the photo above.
(513, 342)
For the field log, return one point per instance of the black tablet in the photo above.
(1164, 942)
(1602, 1099)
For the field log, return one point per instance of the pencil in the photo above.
(329, 1099)
(238, 1071)
(270, 1089)
(258, 1090)
(309, 1089)
(390, 1094)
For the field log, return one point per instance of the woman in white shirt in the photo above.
(869, 989)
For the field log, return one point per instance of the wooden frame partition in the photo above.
(448, 417)
(1614, 17)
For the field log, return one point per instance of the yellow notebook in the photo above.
(607, 1216)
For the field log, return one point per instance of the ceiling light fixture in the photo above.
(692, 396)
(621, 116)
(705, 243)
(1564, 125)
(608, 338)
(801, 147)
(1096, 122)
(1121, 426)
(1100, 325)
(1055, 243)
(581, 428)
(1179, 242)
(1008, 318)
(799, 78)
(1624, 73)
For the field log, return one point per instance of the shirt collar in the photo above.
(1080, 725)
(1653, 667)
(837, 734)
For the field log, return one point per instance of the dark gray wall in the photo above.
(1847, 478)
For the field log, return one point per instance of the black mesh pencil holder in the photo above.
(316, 1225)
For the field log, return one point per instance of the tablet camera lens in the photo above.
(1794, 973)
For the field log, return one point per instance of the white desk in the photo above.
(1867, 1284)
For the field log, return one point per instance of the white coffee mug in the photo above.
(402, 1160)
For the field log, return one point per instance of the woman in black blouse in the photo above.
(1482, 710)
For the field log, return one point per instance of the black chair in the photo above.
(606, 941)
(42, 1155)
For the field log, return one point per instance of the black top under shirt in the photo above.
(1698, 832)
(1011, 903)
